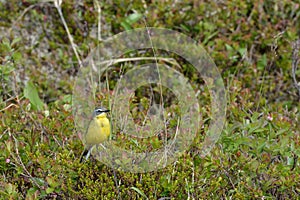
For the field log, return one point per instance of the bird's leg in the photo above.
(89, 153)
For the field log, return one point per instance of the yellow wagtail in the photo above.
(97, 132)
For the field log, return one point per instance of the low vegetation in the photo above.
(253, 44)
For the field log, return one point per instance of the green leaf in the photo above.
(242, 51)
(30, 92)
(261, 146)
(210, 36)
(140, 192)
(5, 71)
(126, 26)
(67, 98)
(281, 131)
(262, 62)
(228, 47)
(290, 160)
(16, 40)
(17, 56)
(49, 190)
(133, 18)
(52, 182)
(10, 188)
(5, 45)
(31, 192)
(258, 130)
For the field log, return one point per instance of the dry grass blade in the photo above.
(295, 63)
(57, 5)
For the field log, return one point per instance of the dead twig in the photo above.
(57, 4)
(295, 63)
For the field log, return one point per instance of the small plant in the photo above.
(9, 59)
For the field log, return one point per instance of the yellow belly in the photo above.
(98, 131)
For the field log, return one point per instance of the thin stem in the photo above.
(57, 5)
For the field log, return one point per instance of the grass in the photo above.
(251, 42)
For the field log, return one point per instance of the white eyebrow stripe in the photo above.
(100, 110)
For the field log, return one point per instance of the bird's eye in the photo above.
(98, 111)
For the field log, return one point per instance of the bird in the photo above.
(97, 132)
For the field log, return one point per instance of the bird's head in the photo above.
(100, 112)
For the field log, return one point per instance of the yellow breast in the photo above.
(98, 131)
